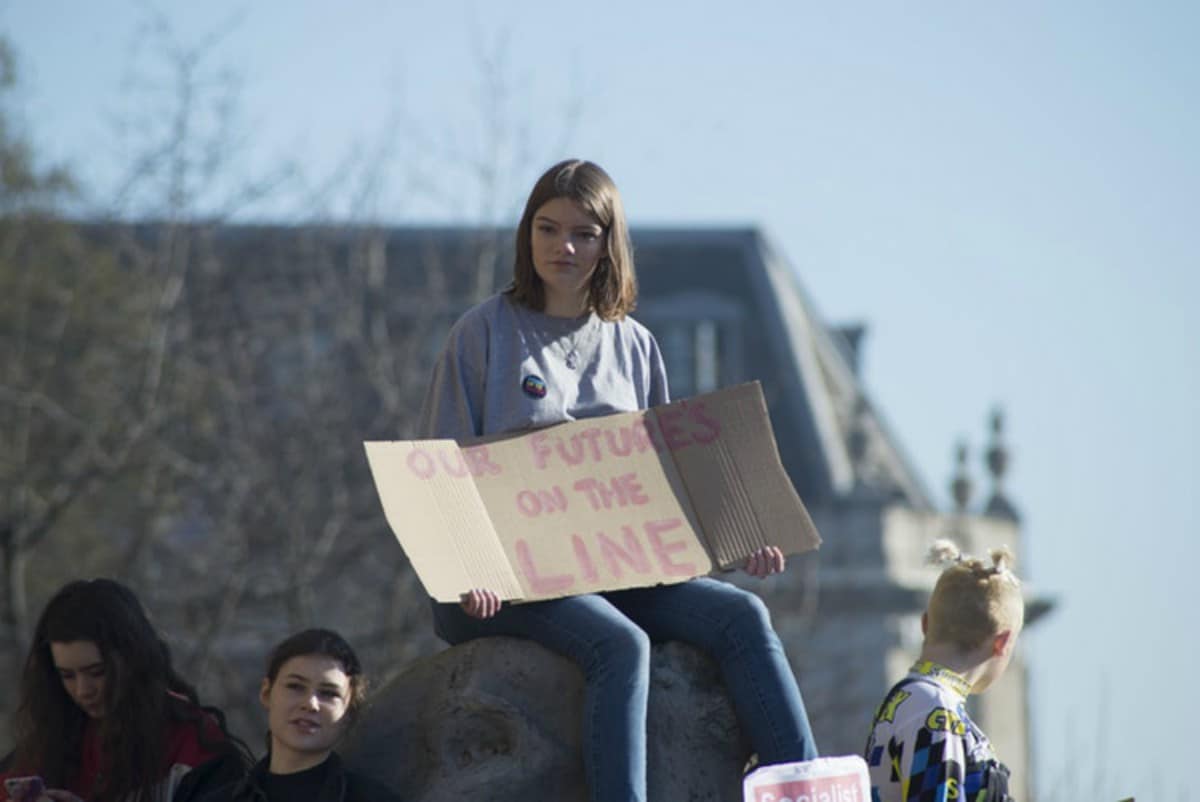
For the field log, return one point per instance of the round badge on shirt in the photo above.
(534, 386)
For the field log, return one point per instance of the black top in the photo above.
(300, 786)
(326, 782)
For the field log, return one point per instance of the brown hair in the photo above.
(971, 601)
(613, 290)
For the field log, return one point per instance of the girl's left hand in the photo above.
(766, 561)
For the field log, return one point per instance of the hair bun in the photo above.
(1002, 559)
(943, 551)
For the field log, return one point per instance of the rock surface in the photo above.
(498, 719)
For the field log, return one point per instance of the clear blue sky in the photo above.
(1001, 191)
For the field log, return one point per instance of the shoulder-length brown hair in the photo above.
(613, 290)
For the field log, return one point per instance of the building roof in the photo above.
(832, 438)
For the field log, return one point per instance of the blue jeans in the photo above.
(608, 635)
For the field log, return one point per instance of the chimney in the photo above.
(849, 337)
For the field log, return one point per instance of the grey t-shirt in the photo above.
(506, 367)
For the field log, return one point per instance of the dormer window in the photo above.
(700, 334)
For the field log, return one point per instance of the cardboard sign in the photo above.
(826, 779)
(628, 500)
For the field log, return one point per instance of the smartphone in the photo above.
(24, 789)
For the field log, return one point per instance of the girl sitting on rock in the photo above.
(559, 345)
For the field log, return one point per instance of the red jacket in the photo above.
(184, 752)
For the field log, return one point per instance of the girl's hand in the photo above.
(766, 561)
(480, 603)
(59, 795)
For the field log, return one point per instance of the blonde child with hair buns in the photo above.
(923, 745)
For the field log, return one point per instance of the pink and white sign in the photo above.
(826, 779)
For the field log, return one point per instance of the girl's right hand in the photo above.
(59, 795)
(480, 603)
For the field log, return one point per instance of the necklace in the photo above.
(577, 338)
(573, 345)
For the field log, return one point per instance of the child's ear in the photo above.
(264, 693)
(1002, 642)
